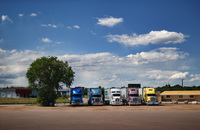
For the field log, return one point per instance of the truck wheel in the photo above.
(89, 103)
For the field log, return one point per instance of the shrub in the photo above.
(46, 97)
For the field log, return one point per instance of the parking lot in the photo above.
(166, 116)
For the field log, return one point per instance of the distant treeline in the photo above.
(176, 88)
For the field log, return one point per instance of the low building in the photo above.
(63, 91)
(181, 95)
(15, 92)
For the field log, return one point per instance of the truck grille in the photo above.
(117, 100)
(77, 101)
(134, 99)
(97, 100)
(153, 99)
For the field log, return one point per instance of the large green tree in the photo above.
(47, 74)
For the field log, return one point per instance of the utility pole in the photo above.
(182, 82)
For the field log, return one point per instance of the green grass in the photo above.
(62, 100)
(28, 100)
(18, 101)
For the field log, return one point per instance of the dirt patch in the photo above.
(163, 107)
(166, 116)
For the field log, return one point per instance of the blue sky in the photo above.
(107, 43)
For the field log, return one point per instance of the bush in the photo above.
(65, 96)
(46, 97)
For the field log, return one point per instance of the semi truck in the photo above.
(112, 96)
(76, 96)
(130, 95)
(94, 96)
(148, 96)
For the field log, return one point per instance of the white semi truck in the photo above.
(112, 96)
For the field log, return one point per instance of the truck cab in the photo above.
(116, 98)
(76, 96)
(149, 96)
(132, 96)
(94, 96)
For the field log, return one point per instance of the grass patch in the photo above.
(28, 100)
(62, 100)
(18, 101)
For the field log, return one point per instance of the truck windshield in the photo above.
(96, 95)
(133, 94)
(77, 95)
(116, 94)
(151, 94)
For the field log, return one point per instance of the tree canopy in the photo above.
(47, 74)
(177, 87)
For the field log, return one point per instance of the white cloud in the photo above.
(110, 21)
(101, 69)
(6, 18)
(47, 40)
(69, 27)
(14, 64)
(179, 75)
(195, 78)
(157, 55)
(76, 26)
(49, 25)
(93, 33)
(33, 14)
(20, 15)
(154, 37)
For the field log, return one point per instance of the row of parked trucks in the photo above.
(131, 95)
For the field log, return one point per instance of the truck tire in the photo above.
(89, 103)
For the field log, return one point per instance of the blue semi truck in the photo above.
(76, 96)
(94, 96)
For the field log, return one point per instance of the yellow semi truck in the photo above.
(148, 96)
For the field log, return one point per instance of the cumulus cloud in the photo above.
(49, 25)
(20, 15)
(76, 26)
(154, 37)
(195, 77)
(100, 69)
(109, 21)
(179, 75)
(46, 40)
(6, 18)
(158, 55)
(14, 64)
(33, 14)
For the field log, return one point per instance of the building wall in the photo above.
(8, 94)
(178, 98)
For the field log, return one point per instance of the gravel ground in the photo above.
(166, 116)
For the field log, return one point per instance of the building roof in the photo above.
(195, 92)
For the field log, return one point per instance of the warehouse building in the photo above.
(181, 95)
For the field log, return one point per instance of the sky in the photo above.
(107, 43)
